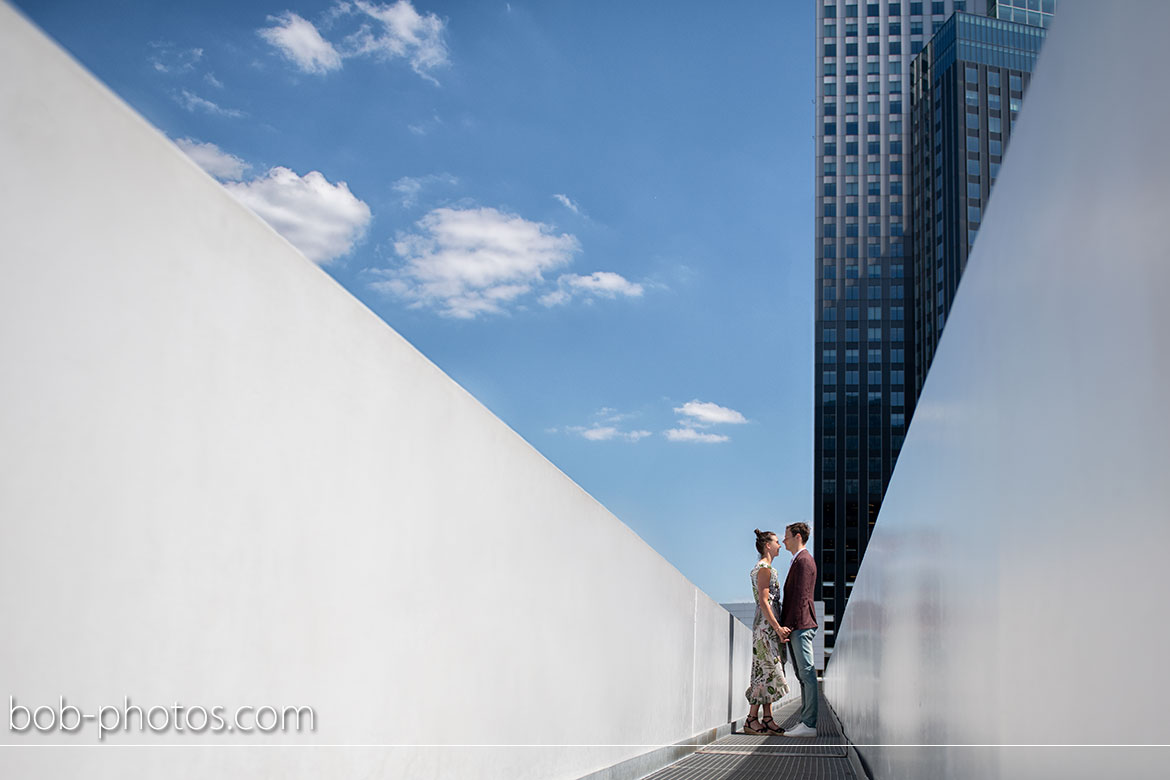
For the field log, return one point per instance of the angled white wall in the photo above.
(223, 481)
(1014, 590)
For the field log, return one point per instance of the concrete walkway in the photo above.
(742, 756)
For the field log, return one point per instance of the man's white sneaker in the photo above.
(800, 730)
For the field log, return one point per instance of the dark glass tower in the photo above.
(967, 87)
(864, 377)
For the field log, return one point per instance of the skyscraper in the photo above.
(967, 87)
(866, 373)
(863, 387)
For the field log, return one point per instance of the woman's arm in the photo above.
(763, 580)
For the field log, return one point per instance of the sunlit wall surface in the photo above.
(1013, 591)
(226, 483)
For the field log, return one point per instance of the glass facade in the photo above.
(1036, 13)
(864, 355)
(967, 87)
(867, 373)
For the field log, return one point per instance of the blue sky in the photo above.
(594, 216)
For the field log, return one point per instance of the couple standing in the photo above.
(793, 629)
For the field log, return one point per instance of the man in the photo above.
(798, 625)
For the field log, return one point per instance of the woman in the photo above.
(768, 683)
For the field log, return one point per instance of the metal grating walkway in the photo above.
(745, 757)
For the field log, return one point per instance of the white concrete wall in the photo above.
(1014, 590)
(224, 481)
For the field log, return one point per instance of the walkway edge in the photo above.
(647, 764)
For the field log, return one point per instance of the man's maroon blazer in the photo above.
(797, 611)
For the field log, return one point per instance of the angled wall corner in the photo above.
(223, 481)
(1010, 593)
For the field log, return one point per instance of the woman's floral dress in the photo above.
(768, 652)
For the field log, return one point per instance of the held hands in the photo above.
(784, 633)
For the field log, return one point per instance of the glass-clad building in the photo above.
(967, 86)
(864, 369)
(1037, 13)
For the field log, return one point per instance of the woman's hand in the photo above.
(784, 633)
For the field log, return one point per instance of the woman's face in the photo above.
(773, 546)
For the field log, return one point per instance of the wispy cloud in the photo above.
(387, 32)
(568, 203)
(610, 433)
(212, 80)
(214, 160)
(599, 284)
(410, 187)
(299, 40)
(192, 102)
(695, 416)
(400, 32)
(467, 262)
(691, 435)
(322, 220)
(166, 58)
(604, 427)
(703, 414)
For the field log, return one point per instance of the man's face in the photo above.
(791, 543)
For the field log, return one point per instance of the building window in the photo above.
(993, 79)
(873, 49)
(875, 313)
(896, 313)
(1015, 84)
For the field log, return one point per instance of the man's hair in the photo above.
(801, 530)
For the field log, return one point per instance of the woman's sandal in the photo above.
(762, 731)
(773, 730)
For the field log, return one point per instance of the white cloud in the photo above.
(298, 40)
(411, 186)
(212, 159)
(388, 32)
(691, 435)
(568, 203)
(599, 284)
(322, 220)
(400, 32)
(467, 262)
(704, 414)
(167, 59)
(192, 102)
(212, 80)
(608, 433)
(697, 415)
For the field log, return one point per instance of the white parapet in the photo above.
(224, 482)
(1014, 591)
